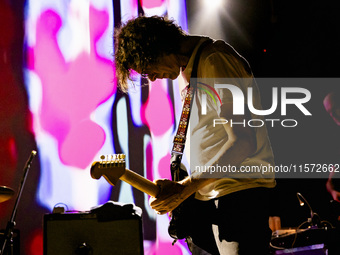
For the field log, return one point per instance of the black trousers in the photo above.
(241, 217)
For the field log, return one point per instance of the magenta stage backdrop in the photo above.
(66, 106)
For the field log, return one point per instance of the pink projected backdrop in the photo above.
(78, 114)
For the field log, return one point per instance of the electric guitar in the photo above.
(112, 168)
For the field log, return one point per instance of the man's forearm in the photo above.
(191, 185)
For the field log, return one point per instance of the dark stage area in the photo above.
(289, 39)
(285, 42)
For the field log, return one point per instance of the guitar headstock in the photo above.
(112, 167)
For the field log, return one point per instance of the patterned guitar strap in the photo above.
(180, 137)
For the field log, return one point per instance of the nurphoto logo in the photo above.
(301, 97)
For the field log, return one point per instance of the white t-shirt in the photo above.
(220, 60)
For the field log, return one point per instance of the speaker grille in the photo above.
(84, 234)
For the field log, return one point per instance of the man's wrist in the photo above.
(189, 188)
(191, 185)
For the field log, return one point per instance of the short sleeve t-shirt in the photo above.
(220, 62)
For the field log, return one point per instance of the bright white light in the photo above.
(212, 5)
(209, 18)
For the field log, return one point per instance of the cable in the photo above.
(60, 209)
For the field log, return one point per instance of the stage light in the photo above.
(212, 5)
(210, 18)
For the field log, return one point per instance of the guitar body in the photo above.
(182, 220)
(181, 223)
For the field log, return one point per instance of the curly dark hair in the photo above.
(141, 41)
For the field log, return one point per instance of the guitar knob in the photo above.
(84, 249)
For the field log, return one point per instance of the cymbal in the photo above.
(5, 193)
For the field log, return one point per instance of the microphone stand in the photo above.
(8, 235)
(314, 219)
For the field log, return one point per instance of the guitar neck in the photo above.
(140, 183)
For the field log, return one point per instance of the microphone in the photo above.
(315, 218)
(30, 159)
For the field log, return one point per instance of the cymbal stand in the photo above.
(8, 235)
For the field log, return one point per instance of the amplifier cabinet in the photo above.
(84, 234)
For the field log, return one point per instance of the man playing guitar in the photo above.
(233, 218)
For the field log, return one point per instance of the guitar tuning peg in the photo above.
(119, 159)
(102, 157)
(122, 156)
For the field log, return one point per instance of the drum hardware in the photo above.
(8, 234)
(5, 193)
